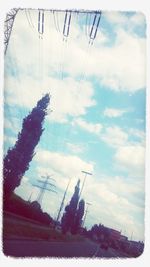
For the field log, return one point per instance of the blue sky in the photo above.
(98, 118)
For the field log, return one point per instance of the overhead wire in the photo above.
(59, 73)
(58, 26)
(41, 33)
(66, 32)
(92, 33)
(55, 21)
(30, 18)
(27, 18)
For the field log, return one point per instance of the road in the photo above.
(28, 248)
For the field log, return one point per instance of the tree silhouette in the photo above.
(78, 217)
(100, 231)
(17, 160)
(68, 218)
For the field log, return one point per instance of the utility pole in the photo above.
(88, 204)
(62, 203)
(43, 186)
(86, 173)
(8, 25)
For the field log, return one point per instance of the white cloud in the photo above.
(112, 65)
(114, 136)
(138, 19)
(116, 17)
(125, 187)
(118, 74)
(132, 159)
(112, 198)
(66, 165)
(89, 127)
(12, 123)
(26, 190)
(129, 155)
(137, 133)
(75, 148)
(113, 112)
(69, 97)
(9, 139)
(119, 66)
(120, 19)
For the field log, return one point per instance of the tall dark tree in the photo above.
(17, 160)
(78, 217)
(68, 218)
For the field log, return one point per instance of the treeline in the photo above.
(29, 210)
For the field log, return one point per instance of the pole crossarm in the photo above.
(44, 187)
(40, 181)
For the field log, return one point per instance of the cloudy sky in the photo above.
(97, 123)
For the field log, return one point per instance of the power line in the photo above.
(56, 22)
(67, 23)
(30, 18)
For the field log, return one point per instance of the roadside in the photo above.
(18, 227)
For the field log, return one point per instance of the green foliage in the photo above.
(17, 160)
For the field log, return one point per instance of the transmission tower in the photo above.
(43, 184)
(8, 25)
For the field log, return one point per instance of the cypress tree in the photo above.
(68, 218)
(78, 217)
(17, 159)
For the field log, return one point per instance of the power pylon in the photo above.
(8, 25)
(43, 186)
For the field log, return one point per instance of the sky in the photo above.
(96, 119)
